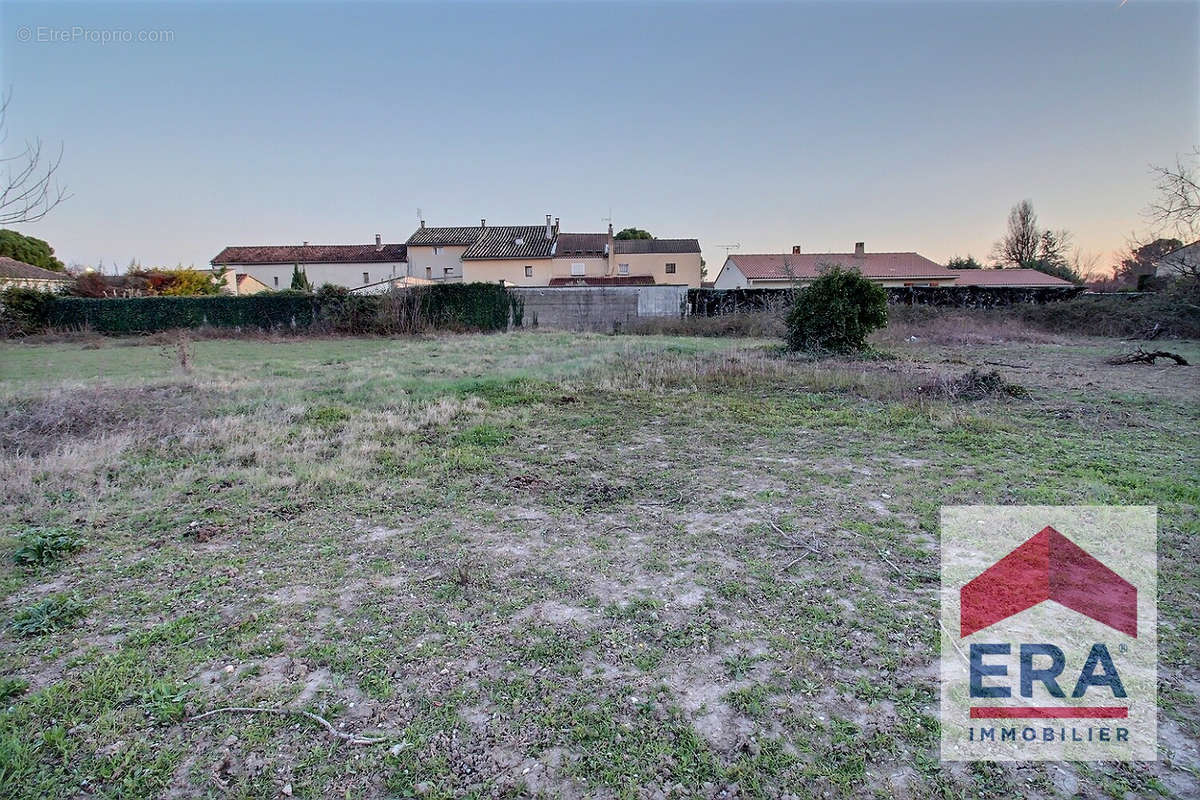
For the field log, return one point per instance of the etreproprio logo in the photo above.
(1049, 633)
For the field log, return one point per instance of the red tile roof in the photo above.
(893, 266)
(615, 280)
(1030, 278)
(312, 254)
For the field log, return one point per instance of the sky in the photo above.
(910, 126)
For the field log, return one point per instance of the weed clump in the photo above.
(974, 385)
(37, 548)
(46, 616)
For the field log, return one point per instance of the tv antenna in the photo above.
(729, 247)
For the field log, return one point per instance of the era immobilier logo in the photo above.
(1049, 645)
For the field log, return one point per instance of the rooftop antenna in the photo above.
(419, 217)
(608, 219)
(729, 247)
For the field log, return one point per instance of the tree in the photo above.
(1022, 240)
(633, 233)
(1177, 208)
(28, 190)
(1026, 245)
(836, 312)
(300, 280)
(1140, 259)
(30, 250)
(958, 262)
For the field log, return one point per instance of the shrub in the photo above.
(836, 312)
(48, 615)
(40, 547)
(25, 310)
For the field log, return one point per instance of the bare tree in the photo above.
(29, 190)
(1178, 205)
(1023, 239)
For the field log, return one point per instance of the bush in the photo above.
(25, 310)
(836, 312)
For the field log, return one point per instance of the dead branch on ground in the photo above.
(1141, 356)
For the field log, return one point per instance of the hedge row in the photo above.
(466, 307)
(149, 314)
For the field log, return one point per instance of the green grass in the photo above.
(537, 563)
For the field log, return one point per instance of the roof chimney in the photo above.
(860, 248)
(795, 249)
(549, 230)
(483, 223)
(306, 244)
(556, 226)
(378, 242)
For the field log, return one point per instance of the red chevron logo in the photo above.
(1048, 566)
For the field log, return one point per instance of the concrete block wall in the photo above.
(598, 308)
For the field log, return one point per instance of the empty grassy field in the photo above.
(543, 564)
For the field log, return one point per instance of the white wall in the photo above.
(279, 276)
(730, 277)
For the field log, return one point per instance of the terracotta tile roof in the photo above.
(581, 244)
(613, 280)
(312, 254)
(510, 241)
(657, 246)
(13, 269)
(783, 266)
(452, 237)
(1007, 277)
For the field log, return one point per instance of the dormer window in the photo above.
(520, 242)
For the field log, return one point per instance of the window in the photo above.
(622, 269)
(437, 251)
(429, 272)
(276, 280)
(578, 269)
(529, 272)
(366, 277)
(670, 268)
(448, 271)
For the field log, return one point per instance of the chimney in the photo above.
(306, 244)
(795, 249)
(483, 223)
(556, 226)
(860, 248)
(549, 230)
(378, 242)
(609, 251)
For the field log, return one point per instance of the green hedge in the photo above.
(149, 314)
(455, 306)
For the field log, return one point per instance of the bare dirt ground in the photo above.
(544, 564)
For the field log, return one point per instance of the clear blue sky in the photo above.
(912, 126)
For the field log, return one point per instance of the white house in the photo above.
(349, 265)
(784, 270)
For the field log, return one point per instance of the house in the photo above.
(1184, 261)
(783, 270)
(15, 273)
(349, 265)
(541, 255)
(1010, 278)
(240, 283)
